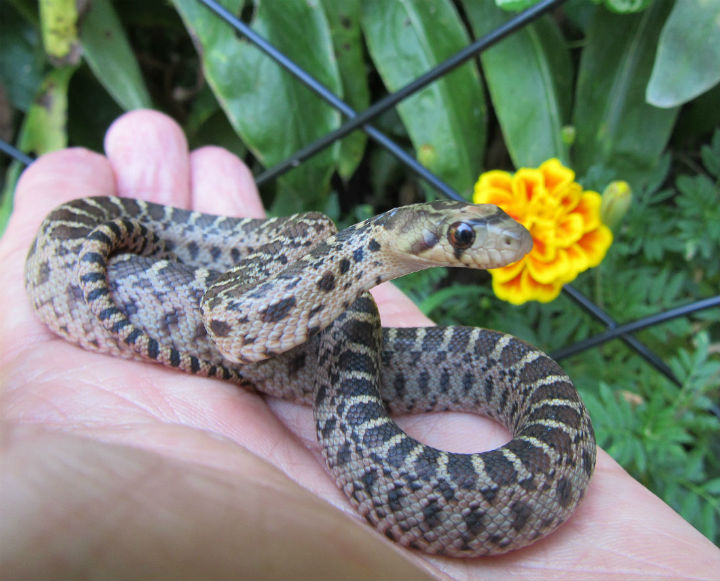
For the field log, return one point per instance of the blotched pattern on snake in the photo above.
(281, 304)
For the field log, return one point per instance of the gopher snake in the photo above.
(126, 277)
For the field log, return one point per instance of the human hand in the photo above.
(117, 468)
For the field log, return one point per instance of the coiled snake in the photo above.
(284, 308)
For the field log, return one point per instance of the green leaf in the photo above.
(709, 526)
(514, 5)
(699, 117)
(217, 131)
(344, 20)
(58, 23)
(7, 200)
(449, 293)
(690, 507)
(711, 155)
(528, 76)
(446, 120)
(208, 125)
(28, 9)
(109, 55)
(273, 112)
(615, 126)
(43, 130)
(627, 6)
(21, 57)
(688, 54)
(91, 110)
(713, 486)
(44, 126)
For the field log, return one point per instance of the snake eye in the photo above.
(461, 235)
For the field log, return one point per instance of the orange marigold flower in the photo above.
(565, 224)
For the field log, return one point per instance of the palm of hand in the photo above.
(187, 482)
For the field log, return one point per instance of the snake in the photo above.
(280, 305)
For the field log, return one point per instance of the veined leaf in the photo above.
(44, 126)
(274, 114)
(109, 55)
(615, 127)
(688, 54)
(446, 120)
(58, 22)
(344, 20)
(528, 76)
(43, 130)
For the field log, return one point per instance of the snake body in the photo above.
(281, 304)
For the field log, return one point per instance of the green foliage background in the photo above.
(617, 89)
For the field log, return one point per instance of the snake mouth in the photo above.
(512, 243)
(519, 239)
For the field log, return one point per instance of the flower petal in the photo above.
(523, 288)
(569, 196)
(528, 184)
(544, 247)
(570, 229)
(545, 272)
(578, 259)
(595, 244)
(495, 179)
(508, 272)
(556, 174)
(495, 187)
(589, 209)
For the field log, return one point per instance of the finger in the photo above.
(119, 507)
(149, 155)
(51, 180)
(397, 309)
(222, 184)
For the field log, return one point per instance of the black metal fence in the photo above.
(362, 120)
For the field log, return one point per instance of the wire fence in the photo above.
(361, 120)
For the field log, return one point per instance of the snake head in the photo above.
(449, 233)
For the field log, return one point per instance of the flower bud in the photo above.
(616, 200)
(568, 134)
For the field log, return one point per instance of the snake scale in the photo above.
(281, 304)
